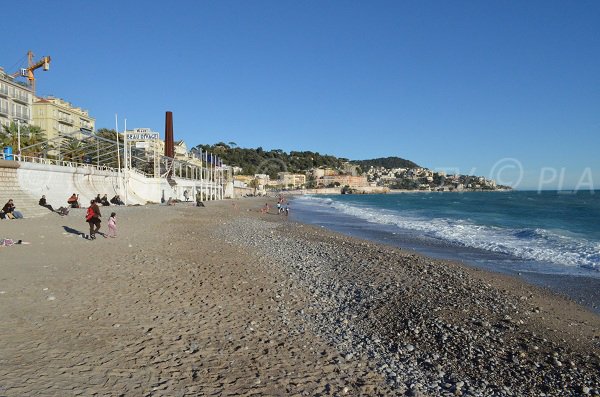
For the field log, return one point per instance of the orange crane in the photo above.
(28, 71)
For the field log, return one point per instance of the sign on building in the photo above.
(142, 134)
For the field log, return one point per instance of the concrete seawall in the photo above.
(27, 182)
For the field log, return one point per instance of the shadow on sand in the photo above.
(73, 231)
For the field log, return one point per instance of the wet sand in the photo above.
(224, 300)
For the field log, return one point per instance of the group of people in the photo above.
(116, 200)
(283, 207)
(9, 211)
(73, 201)
(61, 211)
(92, 217)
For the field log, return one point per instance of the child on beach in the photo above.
(112, 225)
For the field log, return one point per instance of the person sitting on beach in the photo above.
(104, 201)
(116, 200)
(73, 201)
(199, 202)
(170, 201)
(265, 209)
(62, 211)
(43, 203)
(10, 212)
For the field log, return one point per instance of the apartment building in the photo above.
(56, 117)
(15, 101)
(288, 179)
(343, 180)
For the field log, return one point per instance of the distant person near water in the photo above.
(92, 217)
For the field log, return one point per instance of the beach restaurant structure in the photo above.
(129, 165)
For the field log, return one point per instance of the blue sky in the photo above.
(448, 84)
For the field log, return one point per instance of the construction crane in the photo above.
(28, 71)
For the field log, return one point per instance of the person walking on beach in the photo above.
(186, 195)
(112, 225)
(287, 209)
(93, 218)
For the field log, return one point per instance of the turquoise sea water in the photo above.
(547, 232)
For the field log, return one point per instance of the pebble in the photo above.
(470, 334)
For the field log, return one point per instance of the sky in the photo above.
(504, 89)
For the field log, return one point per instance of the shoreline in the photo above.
(580, 285)
(226, 300)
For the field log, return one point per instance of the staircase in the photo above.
(10, 189)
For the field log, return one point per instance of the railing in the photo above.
(74, 164)
(21, 97)
(61, 163)
(65, 119)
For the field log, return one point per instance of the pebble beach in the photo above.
(226, 301)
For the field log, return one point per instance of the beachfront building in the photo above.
(15, 101)
(287, 179)
(342, 180)
(56, 117)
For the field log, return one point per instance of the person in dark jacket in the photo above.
(93, 218)
(43, 203)
(9, 210)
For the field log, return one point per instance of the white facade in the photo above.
(15, 101)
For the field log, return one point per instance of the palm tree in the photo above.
(254, 184)
(33, 141)
(72, 149)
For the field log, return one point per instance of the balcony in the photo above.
(23, 116)
(66, 120)
(4, 91)
(4, 110)
(20, 97)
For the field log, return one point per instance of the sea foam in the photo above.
(549, 246)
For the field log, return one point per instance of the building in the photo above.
(343, 180)
(15, 101)
(56, 117)
(288, 179)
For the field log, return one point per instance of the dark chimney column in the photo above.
(169, 143)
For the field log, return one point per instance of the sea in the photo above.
(548, 238)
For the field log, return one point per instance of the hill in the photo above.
(259, 161)
(387, 162)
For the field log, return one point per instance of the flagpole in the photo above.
(126, 160)
(118, 157)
